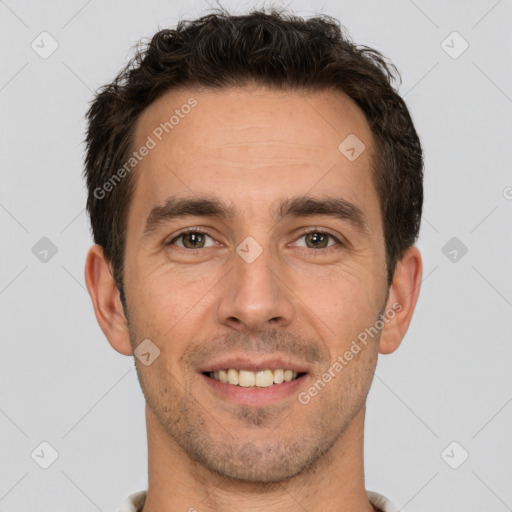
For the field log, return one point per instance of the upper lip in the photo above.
(255, 363)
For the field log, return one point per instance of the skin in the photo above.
(253, 147)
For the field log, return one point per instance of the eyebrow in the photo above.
(300, 206)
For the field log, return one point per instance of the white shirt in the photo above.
(135, 502)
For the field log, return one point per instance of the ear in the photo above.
(402, 298)
(106, 301)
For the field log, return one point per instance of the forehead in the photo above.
(314, 120)
(249, 144)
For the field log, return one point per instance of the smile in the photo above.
(248, 379)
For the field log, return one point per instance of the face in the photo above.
(284, 268)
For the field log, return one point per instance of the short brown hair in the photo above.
(273, 49)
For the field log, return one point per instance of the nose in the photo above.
(255, 295)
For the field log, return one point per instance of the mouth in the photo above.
(254, 379)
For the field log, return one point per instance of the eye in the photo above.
(316, 239)
(192, 239)
(196, 239)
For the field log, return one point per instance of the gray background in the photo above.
(60, 381)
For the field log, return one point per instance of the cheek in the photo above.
(346, 305)
(158, 306)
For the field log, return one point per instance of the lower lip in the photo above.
(254, 395)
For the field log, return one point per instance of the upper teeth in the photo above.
(246, 379)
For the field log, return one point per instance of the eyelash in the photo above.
(311, 230)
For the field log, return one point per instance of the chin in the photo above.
(260, 464)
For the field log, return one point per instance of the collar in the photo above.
(135, 502)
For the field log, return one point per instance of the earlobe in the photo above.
(105, 300)
(402, 299)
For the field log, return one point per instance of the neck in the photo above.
(335, 482)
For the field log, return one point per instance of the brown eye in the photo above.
(318, 240)
(191, 240)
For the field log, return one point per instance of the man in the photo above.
(255, 193)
